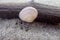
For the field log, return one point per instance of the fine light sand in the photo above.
(15, 29)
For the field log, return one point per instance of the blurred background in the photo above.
(47, 2)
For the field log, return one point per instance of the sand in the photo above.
(15, 29)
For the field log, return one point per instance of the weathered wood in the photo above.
(49, 14)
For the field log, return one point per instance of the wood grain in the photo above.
(49, 14)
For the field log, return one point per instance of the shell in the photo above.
(28, 14)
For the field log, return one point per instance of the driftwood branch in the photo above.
(47, 13)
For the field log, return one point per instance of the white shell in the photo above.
(28, 14)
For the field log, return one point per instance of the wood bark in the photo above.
(49, 14)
